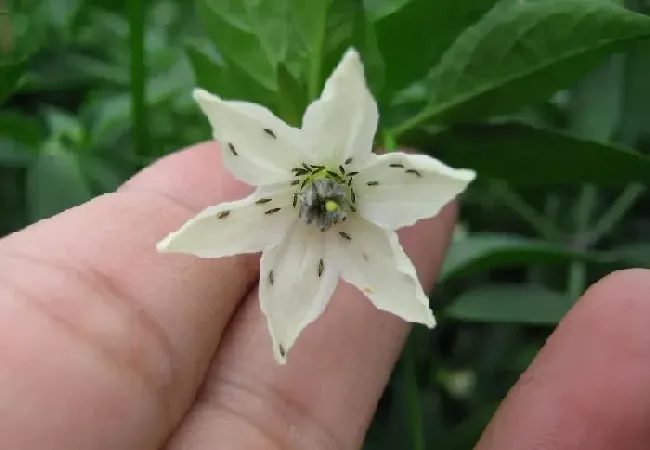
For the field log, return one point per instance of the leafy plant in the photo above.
(547, 99)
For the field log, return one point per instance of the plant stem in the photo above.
(413, 397)
(138, 76)
(313, 87)
(526, 212)
(409, 124)
(616, 212)
(389, 142)
(585, 206)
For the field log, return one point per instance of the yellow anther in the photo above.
(331, 206)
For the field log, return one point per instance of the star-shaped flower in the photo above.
(325, 206)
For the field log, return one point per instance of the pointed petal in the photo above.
(398, 189)
(297, 279)
(342, 123)
(373, 260)
(243, 226)
(257, 147)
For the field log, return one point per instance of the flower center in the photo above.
(325, 196)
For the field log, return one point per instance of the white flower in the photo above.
(325, 206)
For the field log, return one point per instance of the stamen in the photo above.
(372, 183)
(323, 202)
(262, 201)
(294, 182)
(306, 167)
(223, 214)
(272, 211)
(300, 172)
(342, 170)
(333, 174)
(345, 235)
(295, 199)
(232, 148)
(351, 174)
(414, 172)
(321, 267)
(348, 161)
(350, 182)
(270, 132)
(396, 165)
(354, 196)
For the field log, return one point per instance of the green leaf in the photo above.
(55, 182)
(484, 251)
(413, 36)
(14, 155)
(59, 13)
(10, 73)
(64, 126)
(636, 98)
(378, 9)
(226, 80)
(101, 175)
(634, 255)
(597, 100)
(365, 41)
(523, 154)
(522, 52)
(251, 34)
(322, 27)
(525, 304)
(21, 128)
(19, 137)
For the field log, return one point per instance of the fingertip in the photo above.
(588, 387)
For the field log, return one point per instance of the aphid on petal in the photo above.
(330, 217)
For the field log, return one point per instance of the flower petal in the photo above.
(243, 226)
(373, 260)
(398, 189)
(257, 147)
(297, 278)
(342, 123)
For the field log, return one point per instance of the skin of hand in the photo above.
(106, 344)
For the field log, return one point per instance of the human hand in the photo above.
(106, 344)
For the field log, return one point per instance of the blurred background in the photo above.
(92, 91)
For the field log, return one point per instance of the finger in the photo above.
(99, 328)
(326, 395)
(588, 388)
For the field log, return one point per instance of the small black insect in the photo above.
(223, 214)
(232, 148)
(270, 133)
(345, 235)
(272, 211)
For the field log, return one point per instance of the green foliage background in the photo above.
(549, 100)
